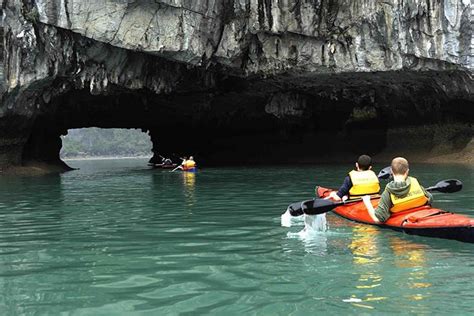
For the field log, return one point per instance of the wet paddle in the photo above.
(179, 165)
(319, 206)
(175, 168)
(446, 186)
(296, 209)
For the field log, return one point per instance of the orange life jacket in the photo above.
(414, 198)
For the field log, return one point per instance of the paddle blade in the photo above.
(318, 206)
(447, 186)
(385, 173)
(295, 209)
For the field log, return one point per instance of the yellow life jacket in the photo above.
(363, 183)
(414, 198)
(189, 164)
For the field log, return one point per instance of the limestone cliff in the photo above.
(260, 76)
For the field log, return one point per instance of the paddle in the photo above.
(320, 206)
(385, 173)
(175, 168)
(296, 209)
(446, 186)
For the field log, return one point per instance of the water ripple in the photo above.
(116, 238)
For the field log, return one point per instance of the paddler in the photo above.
(360, 181)
(166, 161)
(189, 164)
(183, 163)
(402, 193)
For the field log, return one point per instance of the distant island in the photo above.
(111, 142)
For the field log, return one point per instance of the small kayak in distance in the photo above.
(164, 166)
(422, 221)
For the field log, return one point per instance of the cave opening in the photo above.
(96, 142)
(78, 123)
(228, 127)
(251, 123)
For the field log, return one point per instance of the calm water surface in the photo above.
(118, 238)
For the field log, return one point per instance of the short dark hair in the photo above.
(364, 162)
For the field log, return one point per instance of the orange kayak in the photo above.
(423, 221)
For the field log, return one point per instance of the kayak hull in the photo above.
(422, 221)
(163, 166)
(464, 234)
(190, 170)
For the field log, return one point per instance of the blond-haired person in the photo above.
(401, 194)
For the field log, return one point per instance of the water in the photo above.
(118, 238)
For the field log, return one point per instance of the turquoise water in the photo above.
(118, 238)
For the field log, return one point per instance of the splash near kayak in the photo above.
(403, 206)
(424, 221)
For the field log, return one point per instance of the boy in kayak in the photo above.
(403, 193)
(358, 182)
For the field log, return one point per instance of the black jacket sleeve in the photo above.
(345, 187)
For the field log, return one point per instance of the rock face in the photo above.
(257, 77)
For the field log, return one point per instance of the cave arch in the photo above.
(231, 127)
(204, 78)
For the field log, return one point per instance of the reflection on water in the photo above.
(411, 257)
(364, 245)
(366, 259)
(189, 181)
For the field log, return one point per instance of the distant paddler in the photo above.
(189, 165)
(184, 159)
(166, 161)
